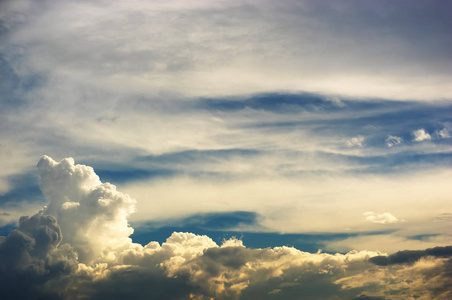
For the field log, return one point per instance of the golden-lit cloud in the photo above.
(78, 250)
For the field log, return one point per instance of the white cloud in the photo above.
(356, 141)
(421, 135)
(92, 215)
(69, 205)
(443, 133)
(393, 140)
(383, 218)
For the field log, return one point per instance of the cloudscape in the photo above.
(225, 149)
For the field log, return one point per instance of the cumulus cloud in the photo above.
(384, 218)
(356, 141)
(443, 133)
(79, 247)
(92, 214)
(393, 140)
(421, 135)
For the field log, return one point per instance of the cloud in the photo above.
(32, 255)
(443, 133)
(410, 257)
(427, 278)
(206, 43)
(393, 140)
(384, 218)
(214, 108)
(77, 196)
(421, 135)
(298, 208)
(79, 246)
(356, 141)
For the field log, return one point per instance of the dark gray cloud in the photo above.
(31, 257)
(411, 256)
(136, 283)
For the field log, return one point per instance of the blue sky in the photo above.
(307, 124)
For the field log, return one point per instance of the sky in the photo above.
(225, 149)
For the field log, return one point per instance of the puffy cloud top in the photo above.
(92, 215)
(79, 247)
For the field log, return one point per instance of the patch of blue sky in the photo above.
(391, 162)
(198, 155)
(209, 221)
(422, 237)
(181, 164)
(276, 102)
(220, 227)
(5, 230)
(23, 188)
(126, 175)
(287, 103)
(420, 116)
(13, 88)
(374, 123)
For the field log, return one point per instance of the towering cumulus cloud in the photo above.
(78, 247)
(91, 214)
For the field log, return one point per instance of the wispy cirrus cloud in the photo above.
(205, 44)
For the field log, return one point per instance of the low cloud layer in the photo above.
(78, 247)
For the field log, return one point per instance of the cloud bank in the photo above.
(197, 49)
(78, 247)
